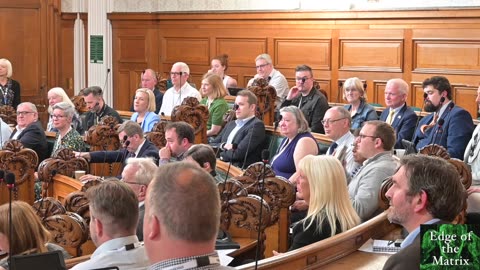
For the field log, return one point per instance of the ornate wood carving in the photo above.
(266, 95)
(195, 114)
(255, 171)
(157, 135)
(68, 230)
(435, 150)
(77, 202)
(79, 103)
(8, 114)
(46, 207)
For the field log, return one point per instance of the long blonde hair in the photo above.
(28, 232)
(328, 194)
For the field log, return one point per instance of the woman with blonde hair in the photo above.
(29, 235)
(144, 107)
(321, 182)
(57, 95)
(9, 88)
(360, 111)
(213, 92)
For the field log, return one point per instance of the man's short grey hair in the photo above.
(265, 57)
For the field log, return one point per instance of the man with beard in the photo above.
(454, 131)
(425, 190)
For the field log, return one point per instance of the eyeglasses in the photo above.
(363, 136)
(132, 183)
(330, 121)
(23, 113)
(262, 66)
(58, 116)
(177, 73)
(298, 79)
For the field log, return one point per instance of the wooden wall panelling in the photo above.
(379, 92)
(293, 52)
(465, 97)
(416, 91)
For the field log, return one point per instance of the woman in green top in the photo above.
(213, 92)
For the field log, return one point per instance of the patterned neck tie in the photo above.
(390, 117)
(356, 170)
(424, 128)
(332, 148)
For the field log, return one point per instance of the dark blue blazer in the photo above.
(33, 137)
(403, 124)
(148, 150)
(250, 140)
(453, 135)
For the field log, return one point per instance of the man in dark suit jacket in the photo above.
(97, 107)
(457, 128)
(425, 190)
(247, 133)
(138, 173)
(29, 130)
(135, 146)
(400, 116)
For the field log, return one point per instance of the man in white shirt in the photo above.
(181, 89)
(113, 221)
(265, 70)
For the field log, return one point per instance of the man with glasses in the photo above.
(337, 122)
(265, 70)
(397, 114)
(135, 145)
(138, 173)
(374, 144)
(181, 89)
(310, 101)
(29, 130)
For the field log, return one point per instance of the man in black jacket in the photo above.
(97, 107)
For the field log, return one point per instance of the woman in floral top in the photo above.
(67, 137)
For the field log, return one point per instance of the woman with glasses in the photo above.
(9, 89)
(321, 182)
(144, 107)
(29, 235)
(213, 92)
(56, 95)
(219, 66)
(360, 111)
(297, 144)
(67, 137)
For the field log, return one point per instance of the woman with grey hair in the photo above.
(56, 95)
(354, 94)
(67, 137)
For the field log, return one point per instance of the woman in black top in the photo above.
(9, 89)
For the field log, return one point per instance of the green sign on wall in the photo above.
(96, 49)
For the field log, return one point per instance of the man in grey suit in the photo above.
(374, 144)
(425, 190)
(138, 173)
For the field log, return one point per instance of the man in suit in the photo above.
(180, 136)
(29, 130)
(425, 190)
(149, 80)
(113, 219)
(397, 114)
(97, 107)
(247, 133)
(134, 146)
(374, 144)
(312, 103)
(457, 127)
(137, 174)
(182, 213)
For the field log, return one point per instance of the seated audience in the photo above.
(204, 156)
(137, 174)
(149, 80)
(219, 66)
(29, 130)
(360, 111)
(425, 190)
(97, 107)
(397, 114)
(5, 132)
(67, 137)
(298, 142)
(374, 145)
(10, 89)
(181, 89)
(337, 123)
(144, 106)
(321, 182)
(213, 93)
(457, 126)
(304, 96)
(247, 133)
(182, 217)
(113, 221)
(56, 95)
(275, 78)
(472, 159)
(180, 136)
(137, 146)
(29, 235)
